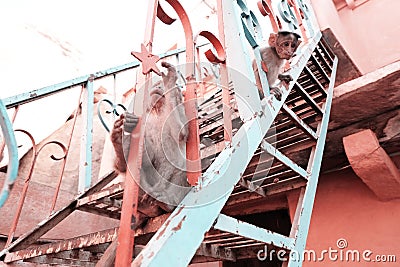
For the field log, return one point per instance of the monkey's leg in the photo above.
(275, 91)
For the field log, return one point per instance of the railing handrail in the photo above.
(36, 94)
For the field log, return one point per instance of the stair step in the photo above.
(253, 233)
(216, 252)
(321, 88)
(30, 237)
(106, 202)
(92, 239)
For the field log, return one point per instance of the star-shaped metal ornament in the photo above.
(148, 60)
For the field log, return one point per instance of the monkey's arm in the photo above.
(121, 142)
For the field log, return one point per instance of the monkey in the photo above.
(162, 175)
(282, 47)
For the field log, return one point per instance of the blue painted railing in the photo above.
(9, 139)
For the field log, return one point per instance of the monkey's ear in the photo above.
(272, 39)
(297, 45)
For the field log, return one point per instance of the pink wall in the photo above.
(369, 33)
(346, 208)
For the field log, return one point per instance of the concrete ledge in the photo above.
(371, 163)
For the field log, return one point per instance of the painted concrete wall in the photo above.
(369, 33)
(346, 209)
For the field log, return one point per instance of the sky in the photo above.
(44, 42)
(49, 41)
(61, 39)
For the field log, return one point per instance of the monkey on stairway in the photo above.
(282, 47)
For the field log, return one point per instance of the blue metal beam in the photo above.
(309, 99)
(273, 151)
(197, 212)
(300, 122)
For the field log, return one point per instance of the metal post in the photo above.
(226, 97)
(126, 233)
(85, 163)
(243, 79)
(130, 201)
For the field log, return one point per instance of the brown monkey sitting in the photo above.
(162, 175)
(282, 46)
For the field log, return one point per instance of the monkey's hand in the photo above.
(287, 78)
(125, 123)
(275, 91)
(171, 77)
(116, 132)
(130, 122)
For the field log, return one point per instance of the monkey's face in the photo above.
(157, 97)
(286, 46)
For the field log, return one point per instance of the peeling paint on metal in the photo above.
(179, 226)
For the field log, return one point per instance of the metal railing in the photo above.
(290, 12)
(85, 102)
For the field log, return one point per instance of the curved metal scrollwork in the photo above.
(265, 8)
(114, 111)
(35, 154)
(305, 15)
(287, 15)
(220, 57)
(251, 26)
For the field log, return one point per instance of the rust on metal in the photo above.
(115, 189)
(179, 226)
(164, 228)
(152, 225)
(151, 255)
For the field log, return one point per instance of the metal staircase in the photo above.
(276, 146)
(298, 124)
